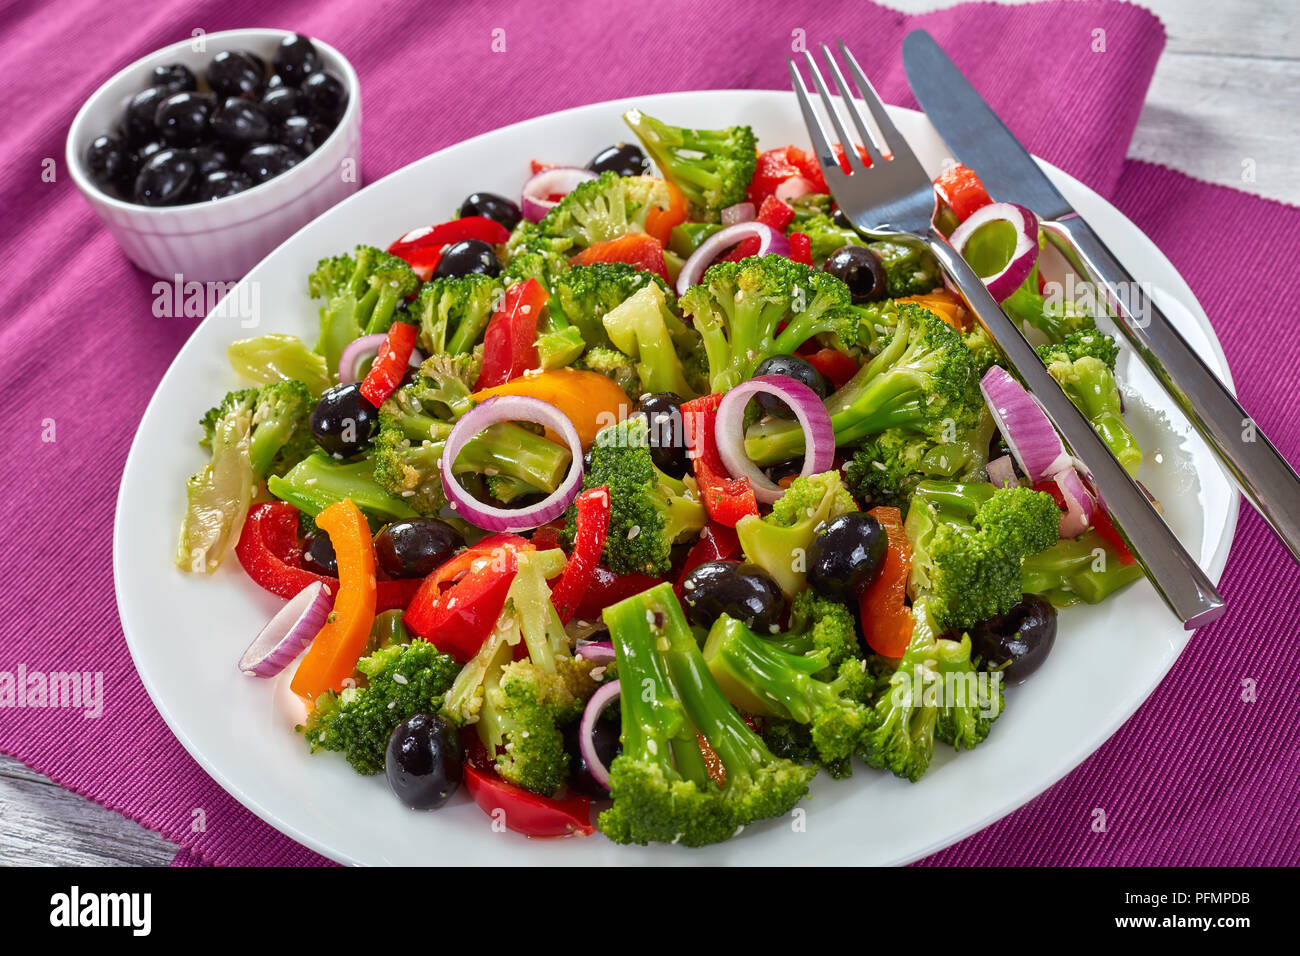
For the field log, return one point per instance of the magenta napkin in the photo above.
(1198, 775)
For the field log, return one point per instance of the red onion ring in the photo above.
(1028, 431)
(1002, 474)
(770, 241)
(599, 652)
(586, 744)
(1078, 503)
(740, 212)
(366, 347)
(535, 204)
(285, 636)
(793, 188)
(1023, 256)
(819, 433)
(510, 408)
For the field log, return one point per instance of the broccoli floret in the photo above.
(738, 308)
(638, 329)
(779, 541)
(319, 481)
(984, 351)
(444, 385)
(281, 435)
(910, 269)
(661, 783)
(584, 295)
(760, 678)
(614, 365)
(711, 167)
(453, 312)
(604, 208)
(969, 542)
(273, 358)
(933, 692)
(531, 255)
(923, 380)
(820, 625)
(361, 293)
(519, 707)
(886, 468)
(560, 348)
(1085, 568)
(1083, 364)
(400, 681)
(649, 511)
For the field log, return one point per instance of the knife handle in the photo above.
(1263, 475)
(1172, 571)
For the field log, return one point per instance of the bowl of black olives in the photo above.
(204, 156)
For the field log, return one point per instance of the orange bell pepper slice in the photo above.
(886, 619)
(943, 304)
(660, 222)
(339, 644)
(588, 399)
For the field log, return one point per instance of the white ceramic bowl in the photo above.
(223, 238)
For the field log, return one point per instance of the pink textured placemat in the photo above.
(1197, 776)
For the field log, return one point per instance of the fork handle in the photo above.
(1263, 475)
(1177, 578)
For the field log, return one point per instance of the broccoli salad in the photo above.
(667, 424)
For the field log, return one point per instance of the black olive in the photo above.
(423, 761)
(240, 122)
(220, 183)
(343, 421)
(861, 270)
(1016, 643)
(148, 149)
(275, 82)
(139, 122)
(744, 591)
(785, 469)
(281, 102)
(626, 159)
(108, 163)
(302, 135)
(267, 160)
(325, 96)
(176, 77)
(182, 118)
(318, 554)
(797, 368)
(667, 435)
(416, 547)
(256, 60)
(295, 59)
(466, 257)
(605, 738)
(847, 556)
(236, 73)
(494, 207)
(210, 157)
(165, 178)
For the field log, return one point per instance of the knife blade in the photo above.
(975, 134)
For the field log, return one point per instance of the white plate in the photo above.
(186, 631)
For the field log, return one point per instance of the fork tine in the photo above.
(855, 161)
(894, 141)
(825, 154)
(846, 94)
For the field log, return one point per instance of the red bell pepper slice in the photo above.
(1101, 522)
(726, 499)
(269, 553)
(520, 810)
(390, 364)
(837, 367)
(717, 543)
(774, 167)
(775, 213)
(747, 247)
(637, 249)
(588, 544)
(510, 342)
(698, 416)
(961, 190)
(608, 588)
(887, 621)
(422, 248)
(801, 248)
(458, 620)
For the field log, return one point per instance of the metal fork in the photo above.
(894, 199)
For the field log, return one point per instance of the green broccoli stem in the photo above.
(512, 450)
(655, 729)
(957, 499)
(319, 481)
(760, 677)
(383, 310)
(1085, 567)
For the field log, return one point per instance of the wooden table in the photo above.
(1223, 107)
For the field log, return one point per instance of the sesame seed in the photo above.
(633, 531)
(399, 679)
(652, 745)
